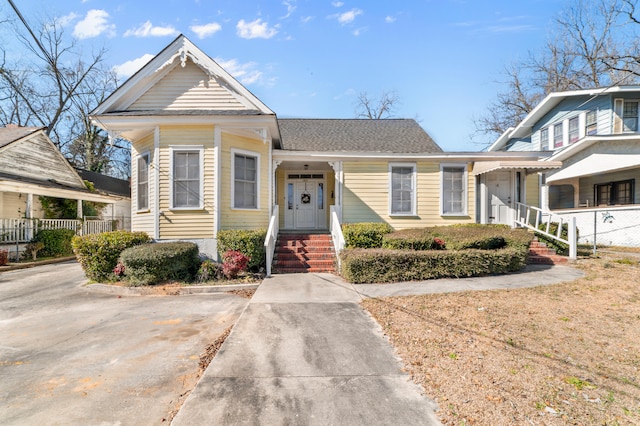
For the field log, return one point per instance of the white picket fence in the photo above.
(23, 230)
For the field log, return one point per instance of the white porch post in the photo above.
(28, 213)
(338, 174)
(79, 209)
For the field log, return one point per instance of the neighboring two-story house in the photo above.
(596, 135)
(208, 155)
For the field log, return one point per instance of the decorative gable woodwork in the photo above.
(187, 88)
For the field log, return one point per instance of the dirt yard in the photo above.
(551, 355)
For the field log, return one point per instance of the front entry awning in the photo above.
(529, 166)
(595, 164)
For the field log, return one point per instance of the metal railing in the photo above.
(532, 217)
(271, 238)
(23, 230)
(336, 231)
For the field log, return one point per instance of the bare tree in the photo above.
(586, 36)
(376, 108)
(55, 86)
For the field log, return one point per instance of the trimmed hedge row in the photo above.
(248, 242)
(98, 253)
(361, 266)
(56, 242)
(153, 263)
(365, 235)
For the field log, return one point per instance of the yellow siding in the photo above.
(187, 88)
(533, 190)
(236, 218)
(175, 224)
(143, 221)
(13, 205)
(366, 196)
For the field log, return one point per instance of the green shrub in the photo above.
(57, 242)
(248, 242)
(98, 253)
(365, 235)
(382, 266)
(560, 248)
(209, 271)
(410, 239)
(153, 263)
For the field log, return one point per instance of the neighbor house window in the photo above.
(574, 129)
(245, 180)
(591, 125)
(557, 135)
(612, 193)
(187, 178)
(454, 189)
(143, 182)
(630, 116)
(544, 139)
(561, 197)
(403, 189)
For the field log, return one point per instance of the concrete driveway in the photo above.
(72, 356)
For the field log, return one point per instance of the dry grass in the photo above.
(552, 355)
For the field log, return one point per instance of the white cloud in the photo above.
(290, 8)
(347, 17)
(390, 19)
(255, 29)
(337, 4)
(148, 30)
(306, 19)
(95, 23)
(130, 67)
(206, 30)
(245, 73)
(67, 19)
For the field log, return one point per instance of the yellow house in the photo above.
(207, 155)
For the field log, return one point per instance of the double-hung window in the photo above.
(454, 189)
(402, 182)
(187, 178)
(591, 125)
(544, 139)
(245, 179)
(630, 116)
(143, 182)
(574, 129)
(558, 137)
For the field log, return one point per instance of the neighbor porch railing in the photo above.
(22, 230)
(532, 217)
(336, 231)
(271, 238)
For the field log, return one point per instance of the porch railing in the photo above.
(336, 231)
(532, 217)
(23, 230)
(271, 238)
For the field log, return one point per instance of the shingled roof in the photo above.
(12, 133)
(355, 135)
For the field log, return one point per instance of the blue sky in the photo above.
(311, 58)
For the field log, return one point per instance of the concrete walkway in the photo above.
(305, 353)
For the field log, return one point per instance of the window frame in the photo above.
(636, 117)
(465, 189)
(573, 135)
(146, 155)
(544, 131)
(414, 189)
(556, 134)
(593, 124)
(246, 153)
(173, 150)
(613, 189)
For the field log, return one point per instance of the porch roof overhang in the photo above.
(595, 164)
(8, 185)
(529, 166)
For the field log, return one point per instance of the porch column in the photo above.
(79, 209)
(274, 184)
(28, 213)
(337, 169)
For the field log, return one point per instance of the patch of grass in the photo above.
(579, 384)
(626, 261)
